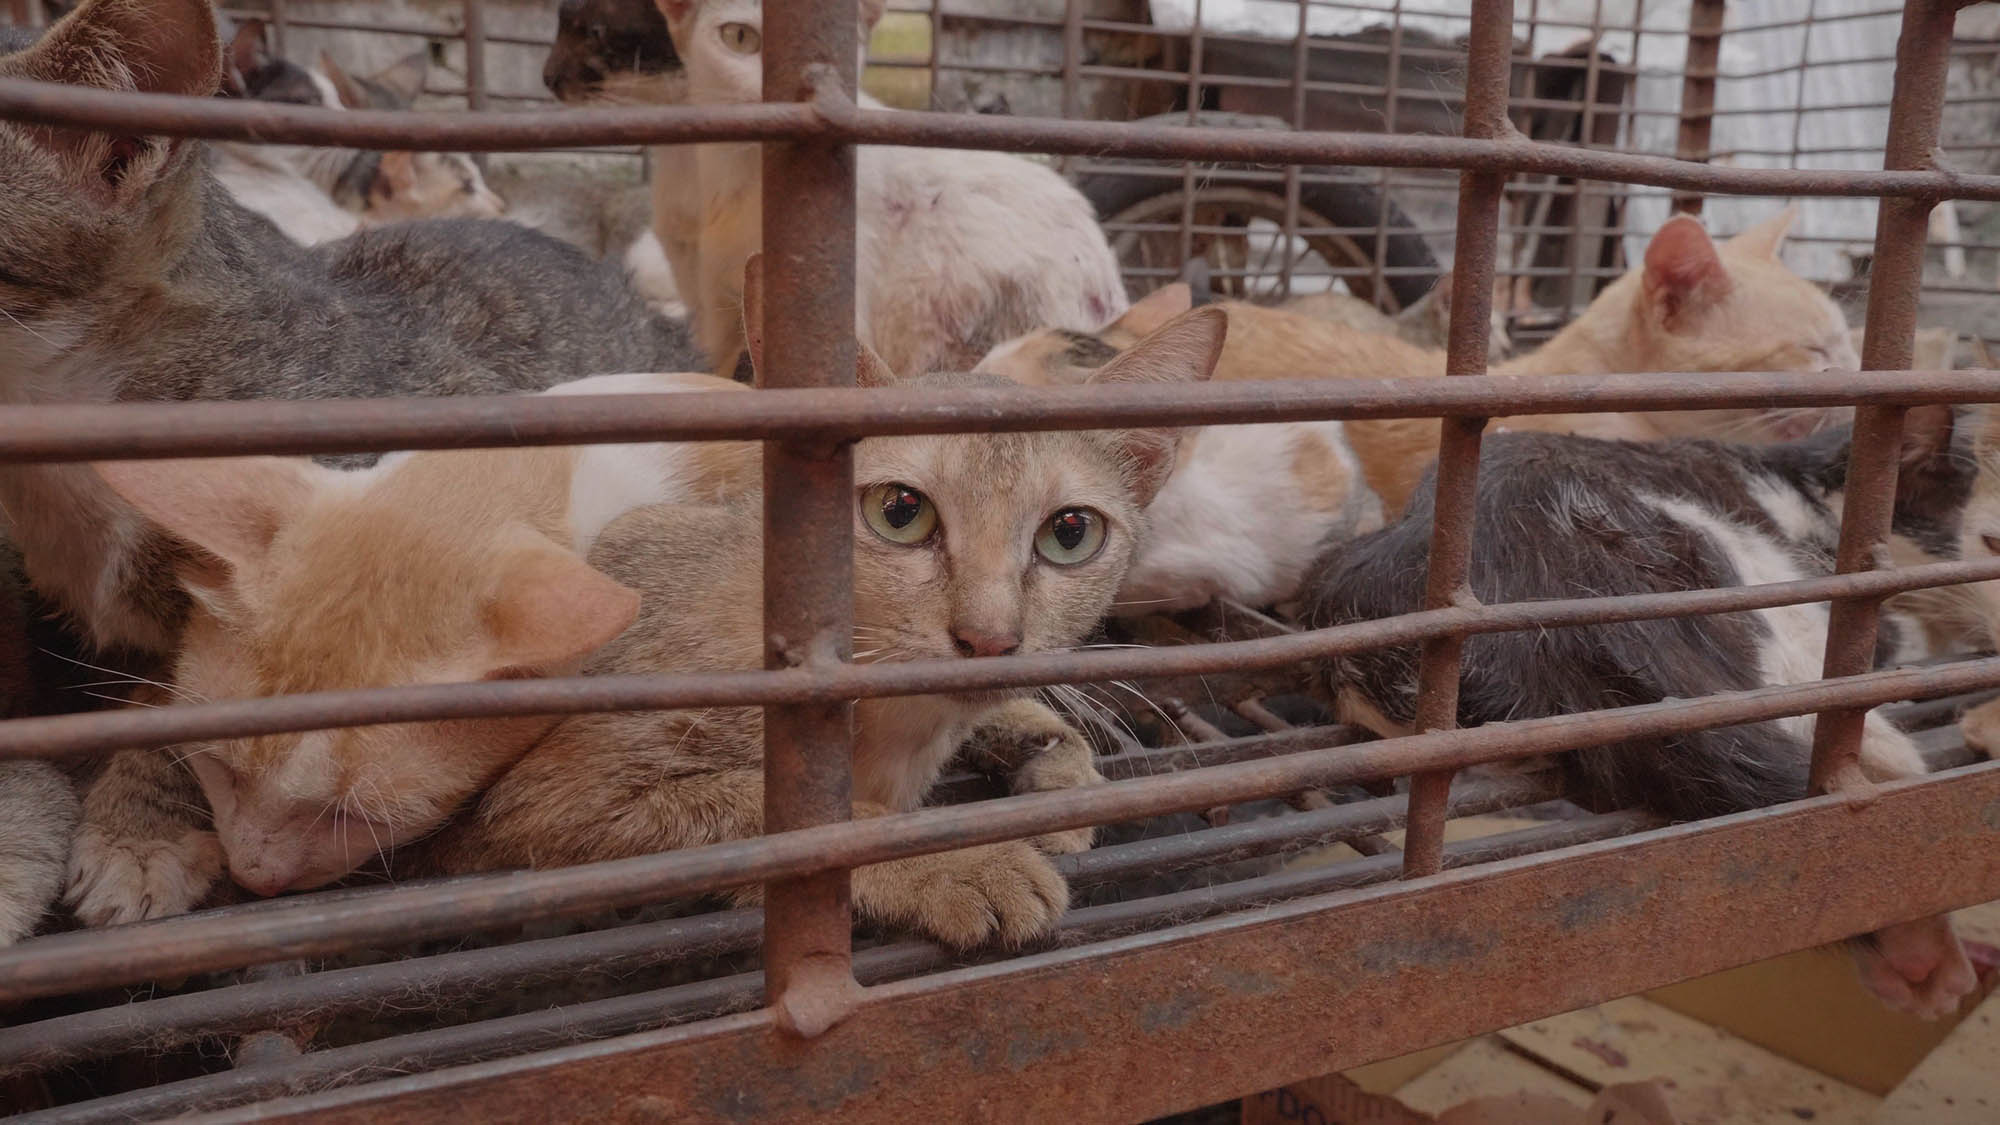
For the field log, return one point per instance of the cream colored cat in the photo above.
(955, 251)
(430, 567)
(1693, 305)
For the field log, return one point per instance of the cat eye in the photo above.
(899, 513)
(1071, 536)
(741, 38)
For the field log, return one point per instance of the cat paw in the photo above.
(1981, 728)
(1065, 761)
(27, 888)
(114, 880)
(1917, 967)
(966, 898)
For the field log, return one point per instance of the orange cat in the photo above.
(1693, 305)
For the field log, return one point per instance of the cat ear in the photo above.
(344, 88)
(395, 174)
(404, 79)
(675, 10)
(1185, 350)
(552, 608)
(1766, 238)
(1683, 273)
(247, 55)
(869, 370)
(229, 509)
(147, 46)
(753, 315)
(1152, 311)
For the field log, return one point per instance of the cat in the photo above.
(38, 807)
(1692, 305)
(470, 564)
(1560, 516)
(164, 289)
(385, 187)
(955, 251)
(1426, 324)
(266, 179)
(1968, 617)
(944, 525)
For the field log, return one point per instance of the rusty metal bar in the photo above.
(249, 120)
(809, 199)
(1672, 904)
(1895, 283)
(58, 735)
(280, 25)
(1705, 19)
(1072, 47)
(280, 929)
(473, 15)
(128, 431)
(1489, 59)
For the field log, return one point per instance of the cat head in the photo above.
(1057, 357)
(310, 579)
(1979, 529)
(721, 42)
(252, 71)
(616, 52)
(1695, 304)
(428, 185)
(985, 544)
(394, 87)
(89, 215)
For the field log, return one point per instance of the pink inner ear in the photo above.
(1681, 261)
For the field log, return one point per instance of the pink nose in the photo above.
(264, 875)
(974, 642)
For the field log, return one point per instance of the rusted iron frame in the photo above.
(1895, 285)
(280, 26)
(128, 431)
(1391, 102)
(831, 120)
(1193, 116)
(1288, 226)
(1072, 62)
(58, 735)
(1489, 67)
(810, 49)
(1697, 113)
(1574, 298)
(439, 979)
(1799, 87)
(276, 930)
(1543, 935)
(883, 964)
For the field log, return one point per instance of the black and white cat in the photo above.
(1568, 517)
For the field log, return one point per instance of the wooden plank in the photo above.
(1955, 1085)
(1716, 1077)
(1483, 1068)
(1389, 1075)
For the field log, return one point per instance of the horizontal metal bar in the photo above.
(277, 930)
(829, 119)
(1254, 994)
(134, 728)
(127, 431)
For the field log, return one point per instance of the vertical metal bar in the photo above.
(809, 46)
(1072, 63)
(1799, 88)
(1916, 109)
(1573, 296)
(1698, 91)
(1194, 117)
(475, 63)
(20, 13)
(1288, 230)
(1489, 57)
(280, 22)
(1393, 79)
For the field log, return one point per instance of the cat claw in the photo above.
(114, 881)
(1917, 967)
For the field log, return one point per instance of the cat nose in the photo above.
(973, 642)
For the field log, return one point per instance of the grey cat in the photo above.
(127, 274)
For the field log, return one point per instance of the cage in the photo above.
(1214, 948)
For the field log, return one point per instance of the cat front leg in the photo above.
(1008, 891)
(1981, 727)
(1919, 967)
(147, 848)
(1039, 753)
(38, 815)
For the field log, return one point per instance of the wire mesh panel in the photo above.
(1265, 873)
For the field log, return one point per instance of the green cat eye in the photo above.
(899, 513)
(1071, 536)
(741, 38)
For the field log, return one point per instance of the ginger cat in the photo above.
(971, 545)
(426, 568)
(1693, 305)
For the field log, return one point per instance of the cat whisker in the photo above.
(129, 677)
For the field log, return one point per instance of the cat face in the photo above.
(722, 44)
(1979, 531)
(424, 570)
(85, 211)
(435, 185)
(614, 52)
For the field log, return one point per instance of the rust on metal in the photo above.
(1916, 112)
(1489, 63)
(1698, 91)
